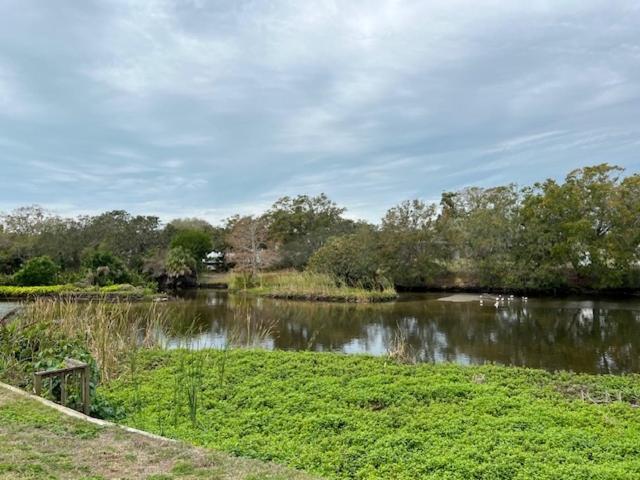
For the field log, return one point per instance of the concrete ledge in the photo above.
(80, 416)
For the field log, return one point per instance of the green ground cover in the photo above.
(37, 442)
(125, 291)
(371, 418)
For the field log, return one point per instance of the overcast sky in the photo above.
(207, 108)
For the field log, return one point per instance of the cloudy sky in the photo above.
(183, 108)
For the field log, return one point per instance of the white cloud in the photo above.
(208, 106)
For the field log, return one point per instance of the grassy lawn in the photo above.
(37, 442)
(369, 418)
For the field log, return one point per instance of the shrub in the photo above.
(104, 268)
(352, 259)
(37, 271)
(197, 242)
(180, 268)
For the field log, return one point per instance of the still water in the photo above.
(578, 334)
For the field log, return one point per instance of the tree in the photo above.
(26, 221)
(352, 258)
(410, 250)
(37, 271)
(583, 233)
(300, 225)
(181, 268)
(485, 222)
(251, 248)
(197, 242)
(129, 238)
(104, 268)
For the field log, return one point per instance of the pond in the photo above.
(579, 334)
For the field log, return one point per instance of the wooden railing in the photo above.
(72, 368)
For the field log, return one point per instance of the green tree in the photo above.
(104, 268)
(410, 249)
(37, 271)
(181, 268)
(129, 238)
(300, 225)
(485, 222)
(353, 258)
(197, 242)
(583, 233)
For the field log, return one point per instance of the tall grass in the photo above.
(112, 332)
(311, 286)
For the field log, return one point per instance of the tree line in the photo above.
(579, 234)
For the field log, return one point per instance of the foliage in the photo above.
(408, 244)
(125, 291)
(371, 418)
(580, 234)
(27, 347)
(104, 268)
(585, 231)
(104, 334)
(37, 271)
(353, 258)
(312, 286)
(197, 242)
(300, 225)
(181, 267)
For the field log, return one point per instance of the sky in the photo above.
(202, 108)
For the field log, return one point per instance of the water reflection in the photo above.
(575, 334)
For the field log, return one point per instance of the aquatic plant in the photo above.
(314, 286)
(347, 417)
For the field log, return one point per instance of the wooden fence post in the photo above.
(37, 384)
(63, 389)
(85, 378)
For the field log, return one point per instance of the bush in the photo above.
(180, 268)
(197, 242)
(27, 347)
(352, 259)
(37, 271)
(104, 268)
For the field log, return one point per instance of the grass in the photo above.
(111, 332)
(310, 286)
(41, 443)
(362, 417)
(124, 291)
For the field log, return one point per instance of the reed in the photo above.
(111, 331)
(313, 286)
(399, 349)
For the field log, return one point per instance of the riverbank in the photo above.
(73, 292)
(365, 417)
(308, 286)
(39, 442)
